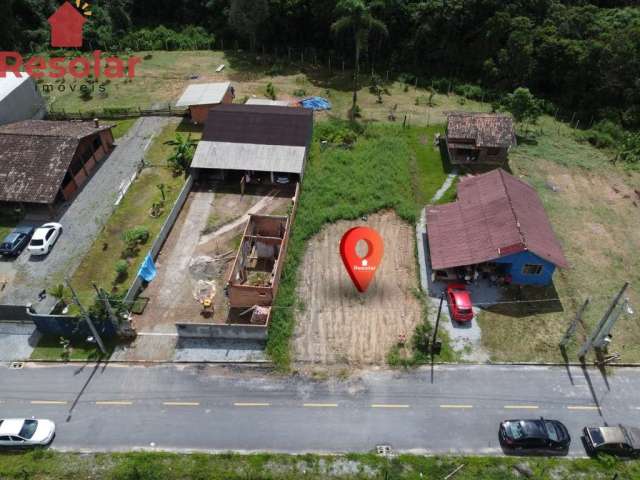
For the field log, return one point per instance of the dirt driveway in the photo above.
(338, 325)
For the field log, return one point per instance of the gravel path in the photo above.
(83, 217)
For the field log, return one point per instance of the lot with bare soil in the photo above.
(335, 323)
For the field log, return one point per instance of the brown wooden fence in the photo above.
(117, 113)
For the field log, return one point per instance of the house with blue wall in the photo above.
(497, 223)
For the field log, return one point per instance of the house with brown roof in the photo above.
(497, 221)
(259, 141)
(44, 162)
(479, 138)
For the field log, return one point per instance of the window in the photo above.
(4, 438)
(532, 269)
(28, 429)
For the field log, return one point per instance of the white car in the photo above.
(43, 238)
(21, 432)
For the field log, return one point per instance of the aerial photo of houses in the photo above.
(345, 240)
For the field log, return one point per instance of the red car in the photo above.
(459, 302)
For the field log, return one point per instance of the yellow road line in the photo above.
(389, 405)
(48, 402)
(320, 405)
(582, 407)
(521, 407)
(181, 404)
(456, 406)
(251, 404)
(114, 402)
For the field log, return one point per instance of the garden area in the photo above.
(113, 260)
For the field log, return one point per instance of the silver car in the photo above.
(21, 432)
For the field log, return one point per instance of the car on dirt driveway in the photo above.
(534, 435)
(21, 432)
(459, 302)
(44, 238)
(620, 440)
(14, 243)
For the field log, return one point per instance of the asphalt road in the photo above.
(189, 408)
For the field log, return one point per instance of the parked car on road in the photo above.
(21, 432)
(621, 440)
(540, 434)
(14, 243)
(459, 302)
(44, 238)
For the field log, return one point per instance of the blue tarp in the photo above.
(147, 269)
(316, 103)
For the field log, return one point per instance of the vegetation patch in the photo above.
(387, 167)
(49, 465)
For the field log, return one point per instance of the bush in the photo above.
(338, 132)
(441, 85)
(121, 268)
(604, 134)
(630, 149)
(270, 91)
(472, 92)
(137, 235)
(300, 92)
(275, 70)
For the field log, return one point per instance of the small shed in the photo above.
(256, 141)
(200, 98)
(268, 102)
(43, 162)
(499, 222)
(479, 138)
(20, 99)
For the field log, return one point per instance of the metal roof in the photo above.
(203, 94)
(259, 124)
(266, 101)
(9, 83)
(495, 215)
(484, 129)
(247, 156)
(35, 156)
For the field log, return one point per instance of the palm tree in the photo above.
(355, 16)
(182, 155)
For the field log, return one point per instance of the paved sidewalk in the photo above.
(83, 218)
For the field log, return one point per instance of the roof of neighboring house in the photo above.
(495, 215)
(259, 124)
(485, 129)
(203, 94)
(9, 83)
(35, 156)
(266, 101)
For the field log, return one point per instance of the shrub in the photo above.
(630, 149)
(472, 92)
(270, 91)
(440, 85)
(300, 92)
(121, 268)
(604, 134)
(163, 38)
(338, 132)
(275, 70)
(136, 235)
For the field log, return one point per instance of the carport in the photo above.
(258, 143)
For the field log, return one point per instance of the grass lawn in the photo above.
(388, 167)
(99, 263)
(49, 348)
(121, 126)
(592, 206)
(49, 465)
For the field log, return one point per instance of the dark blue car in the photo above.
(14, 243)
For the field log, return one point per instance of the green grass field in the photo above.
(49, 465)
(50, 348)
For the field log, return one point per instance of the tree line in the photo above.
(581, 55)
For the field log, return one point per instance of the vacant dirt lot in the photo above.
(337, 324)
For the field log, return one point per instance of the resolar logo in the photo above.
(67, 25)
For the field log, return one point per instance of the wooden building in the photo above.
(479, 138)
(200, 98)
(44, 162)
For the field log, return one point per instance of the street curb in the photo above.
(141, 362)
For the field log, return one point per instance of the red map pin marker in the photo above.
(361, 270)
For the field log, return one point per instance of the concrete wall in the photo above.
(516, 263)
(14, 313)
(133, 291)
(230, 332)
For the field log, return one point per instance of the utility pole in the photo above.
(604, 321)
(86, 316)
(107, 304)
(435, 348)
